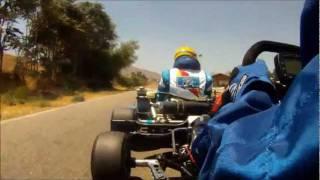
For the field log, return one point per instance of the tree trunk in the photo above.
(75, 68)
(1, 59)
(0, 107)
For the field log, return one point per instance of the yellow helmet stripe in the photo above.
(185, 51)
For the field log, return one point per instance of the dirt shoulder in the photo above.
(37, 105)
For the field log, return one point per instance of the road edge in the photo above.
(57, 108)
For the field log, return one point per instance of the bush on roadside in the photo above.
(136, 79)
(70, 84)
(44, 104)
(48, 95)
(78, 98)
(125, 81)
(16, 96)
(21, 93)
(9, 99)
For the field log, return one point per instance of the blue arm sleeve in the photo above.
(209, 138)
(281, 142)
(164, 84)
(246, 100)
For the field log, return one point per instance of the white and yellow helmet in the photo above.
(185, 51)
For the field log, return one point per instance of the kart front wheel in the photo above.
(110, 157)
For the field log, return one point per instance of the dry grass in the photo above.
(17, 108)
(42, 104)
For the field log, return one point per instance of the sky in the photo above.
(221, 31)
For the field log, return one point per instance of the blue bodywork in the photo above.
(256, 137)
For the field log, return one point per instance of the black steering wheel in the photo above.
(285, 62)
(268, 46)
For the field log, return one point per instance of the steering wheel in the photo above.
(268, 46)
(287, 61)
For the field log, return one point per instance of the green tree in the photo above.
(81, 35)
(98, 36)
(48, 29)
(123, 56)
(10, 11)
(66, 30)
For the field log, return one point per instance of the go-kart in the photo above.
(155, 124)
(150, 125)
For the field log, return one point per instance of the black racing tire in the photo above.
(124, 114)
(110, 157)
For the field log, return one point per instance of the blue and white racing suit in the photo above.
(185, 80)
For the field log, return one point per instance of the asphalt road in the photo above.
(56, 144)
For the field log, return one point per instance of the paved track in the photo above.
(56, 144)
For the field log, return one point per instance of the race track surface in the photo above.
(56, 144)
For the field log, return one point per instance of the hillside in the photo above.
(149, 74)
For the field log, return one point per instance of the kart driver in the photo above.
(186, 79)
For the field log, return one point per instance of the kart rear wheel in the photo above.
(123, 120)
(124, 114)
(110, 157)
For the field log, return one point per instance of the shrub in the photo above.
(136, 79)
(70, 85)
(9, 99)
(21, 92)
(44, 104)
(78, 98)
(33, 74)
(125, 81)
(17, 96)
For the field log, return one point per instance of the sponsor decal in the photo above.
(242, 81)
(234, 88)
(195, 91)
(188, 82)
(181, 73)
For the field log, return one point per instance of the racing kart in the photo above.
(152, 125)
